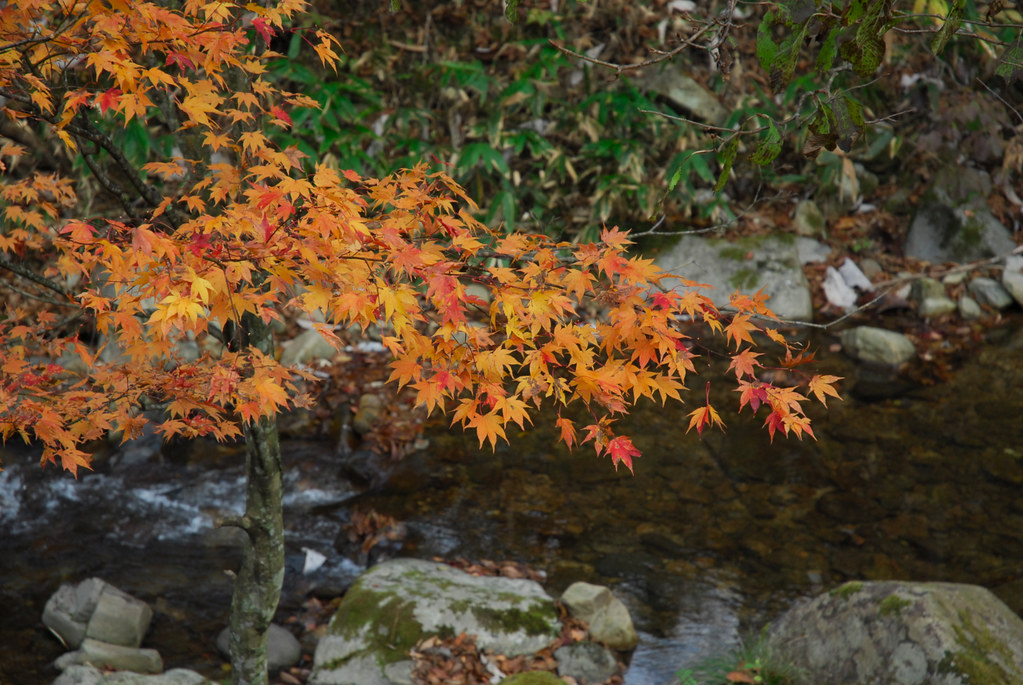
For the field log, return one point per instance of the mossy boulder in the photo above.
(906, 633)
(533, 678)
(394, 605)
(748, 265)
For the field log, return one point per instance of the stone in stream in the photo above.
(903, 632)
(282, 650)
(90, 675)
(95, 609)
(607, 616)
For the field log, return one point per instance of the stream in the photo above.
(709, 540)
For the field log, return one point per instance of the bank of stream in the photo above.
(709, 540)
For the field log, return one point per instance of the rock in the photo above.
(79, 674)
(837, 291)
(877, 345)
(586, 661)
(746, 265)
(969, 309)
(68, 610)
(533, 678)
(1012, 277)
(367, 415)
(395, 604)
(990, 293)
(933, 307)
(685, 92)
(117, 657)
(902, 632)
(940, 233)
(808, 220)
(924, 288)
(177, 676)
(119, 619)
(811, 251)
(283, 648)
(308, 347)
(607, 616)
(853, 276)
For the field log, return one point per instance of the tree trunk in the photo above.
(257, 587)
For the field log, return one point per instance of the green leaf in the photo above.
(784, 65)
(767, 49)
(828, 51)
(849, 122)
(1010, 64)
(726, 158)
(952, 23)
(511, 11)
(770, 146)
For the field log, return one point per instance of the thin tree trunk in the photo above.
(257, 587)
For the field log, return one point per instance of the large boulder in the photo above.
(953, 222)
(747, 265)
(394, 605)
(905, 633)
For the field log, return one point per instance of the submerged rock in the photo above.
(394, 605)
(902, 632)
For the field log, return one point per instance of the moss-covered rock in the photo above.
(906, 633)
(394, 605)
(533, 678)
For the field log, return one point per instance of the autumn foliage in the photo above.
(113, 308)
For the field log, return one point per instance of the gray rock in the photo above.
(682, 90)
(588, 662)
(79, 674)
(940, 233)
(117, 657)
(397, 603)
(811, 251)
(837, 292)
(933, 307)
(283, 648)
(68, 610)
(854, 276)
(1012, 277)
(606, 615)
(990, 293)
(119, 619)
(878, 345)
(808, 220)
(905, 633)
(924, 288)
(969, 309)
(177, 676)
(746, 265)
(306, 348)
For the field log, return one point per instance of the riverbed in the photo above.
(710, 539)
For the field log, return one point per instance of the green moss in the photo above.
(892, 605)
(736, 253)
(397, 629)
(537, 621)
(744, 279)
(533, 678)
(974, 659)
(847, 590)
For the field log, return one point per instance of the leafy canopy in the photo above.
(139, 300)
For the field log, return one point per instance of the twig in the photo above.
(1003, 100)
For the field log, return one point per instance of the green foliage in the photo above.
(753, 661)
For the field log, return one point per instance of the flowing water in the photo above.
(708, 541)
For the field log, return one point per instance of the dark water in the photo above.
(709, 540)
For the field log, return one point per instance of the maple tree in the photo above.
(156, 297)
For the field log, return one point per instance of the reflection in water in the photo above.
(710, 539)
